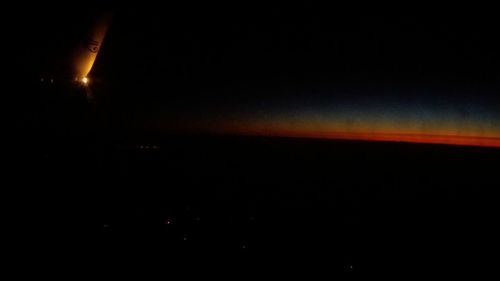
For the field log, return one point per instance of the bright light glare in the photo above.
(85, 80)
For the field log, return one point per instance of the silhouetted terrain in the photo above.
(252, 201)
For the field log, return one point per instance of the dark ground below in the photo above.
(250, 203)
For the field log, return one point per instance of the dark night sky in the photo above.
(300, 47)
(233, 60)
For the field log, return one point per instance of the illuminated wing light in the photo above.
(85, 54)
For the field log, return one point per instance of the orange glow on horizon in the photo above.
(442, 129)
(362, 133)
(412, 138)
